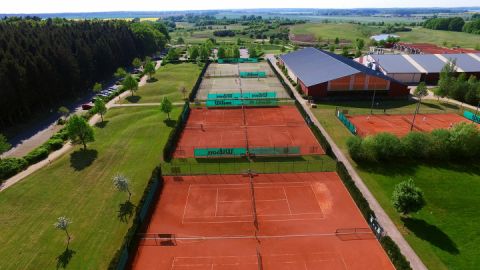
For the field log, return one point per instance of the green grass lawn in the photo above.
(418, 35)
(445, 233)
(169, 80)
(79, 186)
(330, 31)
(422, 35)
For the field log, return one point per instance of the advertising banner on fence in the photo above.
(240, 102)
(219, 152)
(253, 74)
(238, 95)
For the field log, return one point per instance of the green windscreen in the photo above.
(237, 60)
(219, 152)
(256, 74)
(475, 118)
(241, 102)
(238, 95)
(346, 122)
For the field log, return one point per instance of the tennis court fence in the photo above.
(239, 166)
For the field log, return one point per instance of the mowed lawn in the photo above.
(79, 186)
(349, 31)
(170, 78)
(445, 233)
(423, 35)
(330, 31)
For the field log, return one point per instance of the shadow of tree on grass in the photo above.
(64, 258)
(125, 211)
(81, 159)
(170, 122)
(101, 124)
(431, 234)
(133, 99)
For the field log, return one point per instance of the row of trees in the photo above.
(462, 88)
(457, 24)
(44, 62)
(462, 141)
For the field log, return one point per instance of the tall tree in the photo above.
(407, 198)
(122, 184)
(99, 107)
(64, 112)
(120, 73)
(97, 87)
(79, 131)
(129, 83)
(62, 224)
(166, 106)
(4, 144)
(150, 68)
(420, 92)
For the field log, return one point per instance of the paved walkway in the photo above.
(381, 215)
(68, 146)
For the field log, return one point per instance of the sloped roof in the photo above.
(313, 66)
(394, 63)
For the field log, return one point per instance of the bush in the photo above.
(37, 154)
(387, 146)
(54, 144)
(462, 141)
(11, 166)
(394, 253)
(417, 145)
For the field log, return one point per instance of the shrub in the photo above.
(394, 253)
(354, 145)
(54, 143)
(11, 166)
(417, 145)
(440, 147)
(37, 154)
(387, 146)
(465, 140)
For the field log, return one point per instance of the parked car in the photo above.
(87, 106)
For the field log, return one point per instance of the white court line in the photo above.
(186, 204)
(216, 203)
(288, 203)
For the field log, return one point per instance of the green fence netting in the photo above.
(346, 122)
(471, 116)
(237, 60)
(238, 95)
(253, 74)
(241, 102)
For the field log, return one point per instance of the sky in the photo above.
(56, 6)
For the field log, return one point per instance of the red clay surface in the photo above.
(212, 220)
(265, 127)
(400, 124)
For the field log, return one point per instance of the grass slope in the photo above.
(422, 35)
(79, 186)
(445, 233)
(418, 34)
(169, 80)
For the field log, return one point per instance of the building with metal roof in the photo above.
(323, 74)
(414, 68)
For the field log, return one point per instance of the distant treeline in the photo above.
(457, 24)
(44, 62)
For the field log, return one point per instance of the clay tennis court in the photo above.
(400, 124)
(276, 127)
(287, 221)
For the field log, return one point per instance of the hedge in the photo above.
(195, 88)
(461, 142)
(37, 154)
(174, 135)
(282, 81)
(54, 143)
(11, 166)
(130, 241)
(394, 253)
